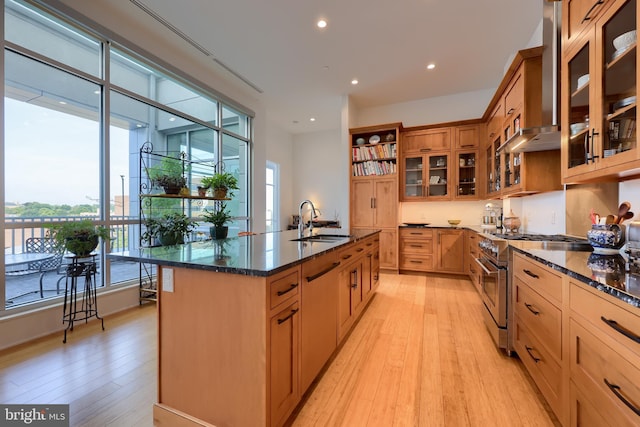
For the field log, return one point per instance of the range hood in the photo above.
(546, 137)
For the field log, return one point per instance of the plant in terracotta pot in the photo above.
(169, 229)
(78, 237)
(168, 174)
(221, 184)
(218, 218)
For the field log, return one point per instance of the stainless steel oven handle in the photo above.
(486, 270)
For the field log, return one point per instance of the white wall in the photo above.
(320, 175)
(630, 191)
(279, 149)
(437, 213)
(461, 106)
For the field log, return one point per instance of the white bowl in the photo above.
(624, 40)
(577, 127)
(583, 80)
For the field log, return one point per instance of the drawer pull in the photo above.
(347, 256)
(323, 272)
(286, 291)
(415, 261)
(289, 316)
(415, 246)
(530, 307)
(359, 249)
(416, 234)
(535, 359)
(529, 273)
(510, 112)
(615, 325)
(615, 389)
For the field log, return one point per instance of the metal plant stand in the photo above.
(74, 310)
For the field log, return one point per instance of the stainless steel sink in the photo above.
(327, 238)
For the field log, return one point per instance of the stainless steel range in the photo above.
(494, 260)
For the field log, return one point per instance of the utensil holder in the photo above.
(606, 238)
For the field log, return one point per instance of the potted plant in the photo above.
(218, 217)
(169, 229)
(168, 174)
(221, 183)
(78, 237)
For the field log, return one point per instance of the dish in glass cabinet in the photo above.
(624, 102)
(360, 141)
(374, 139)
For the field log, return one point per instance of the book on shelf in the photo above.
(382, 151)
(374, 168)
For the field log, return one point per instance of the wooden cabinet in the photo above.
(426, 176)
(516, 105)
(537, 300)
(285, 363)
(467, 137)
(427, 140)
(577, 16)
(599, 87)
(432, 249)
(449, 249)
(416, 249)
(466, 166)
(374, 197)
(605, 360)
(472, 252)
(318, 299)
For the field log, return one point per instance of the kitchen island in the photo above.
(246, 324)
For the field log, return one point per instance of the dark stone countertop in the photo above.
(611, 274)
(255, 255)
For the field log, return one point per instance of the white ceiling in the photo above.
(304, 72)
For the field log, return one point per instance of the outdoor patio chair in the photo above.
(41, 245)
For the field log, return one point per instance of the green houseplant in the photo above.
(168, 174)
(78, 237)
(169, 229)
(218, 218)
(221, 183)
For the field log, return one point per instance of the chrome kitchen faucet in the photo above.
(301, 222)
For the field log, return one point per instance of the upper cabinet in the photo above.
(518, 104)
(577, 16)
(599, 86)
(440, 162)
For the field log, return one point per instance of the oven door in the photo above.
(494, 290)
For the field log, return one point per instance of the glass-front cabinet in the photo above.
(466, 174)
(426, 176)
(599, 81)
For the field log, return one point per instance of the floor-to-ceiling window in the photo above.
(77, 110)
(272, 181)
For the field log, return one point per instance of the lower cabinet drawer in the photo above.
(416, 262)
(415, 246)
(283, 287)
(609, 380)
(543, 368)
(538, 277)
(583, 412)
(542, 318)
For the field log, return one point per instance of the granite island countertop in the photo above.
(254, 255)
(611, 274)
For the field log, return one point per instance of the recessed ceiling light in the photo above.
(312, 119)
(62, 103)
(295, 122)
(97, 92)
(354, 81)
(172, 119)
(431, 66)
(138, 125)
(321, 23)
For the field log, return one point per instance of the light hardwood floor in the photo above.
(419, 356)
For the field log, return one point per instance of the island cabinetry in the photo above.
(354, 284)
(537, 300)
(416, 249)
(605, 360)
(319, 301)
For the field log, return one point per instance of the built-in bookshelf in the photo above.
(374, 153)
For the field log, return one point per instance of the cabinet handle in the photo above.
(624, 331)
(529, 273)
(359, 249)
(323, 272)
(535, 359)
(346, 257)
(530, 307)
(415, 261)
(510, 112)
(371, 203)
(375, 203)
(289, 316)
(425, 150)
(593, 137)
(369, 255)
(586, 16)
(491, 135)
(466, 145)
(587, 154)
(415, 246)
(286, 291)
(354, 276)
(615, 389)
